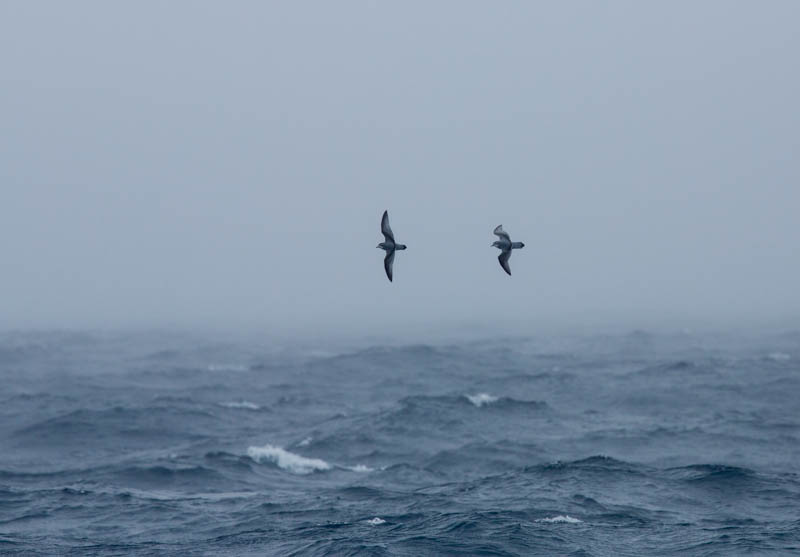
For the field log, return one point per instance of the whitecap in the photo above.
(360, 468)
(562, 518)
(481, 398)
(376, 521)
(779, 357)
(241, 404)
(290, 462)
(305, 442)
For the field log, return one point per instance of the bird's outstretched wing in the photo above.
(385, 228)
(502, 233)
(388, 262)
(503, 259)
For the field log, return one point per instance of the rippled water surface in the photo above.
(633, 444)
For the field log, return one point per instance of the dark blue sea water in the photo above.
(633, 444)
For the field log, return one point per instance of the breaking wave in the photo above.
(562, 518)
(290, 462)
(360, 468)
(481, 398)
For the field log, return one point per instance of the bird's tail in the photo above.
(517, 245)
(400, 246)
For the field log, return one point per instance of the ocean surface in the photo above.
(625, 444)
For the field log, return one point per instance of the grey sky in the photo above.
(227, 163)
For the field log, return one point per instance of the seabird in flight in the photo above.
(389, 245)
(505, 245)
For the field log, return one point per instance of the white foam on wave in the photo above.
(481, 398)
(562, 518)
(360, 468)
(377, 521)
(241, 404)
(305, 442)
(779, 357)
(290, 462)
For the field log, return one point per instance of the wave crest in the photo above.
(288, 461)
(481, 398)
(709, 473)
(779, 357)
(240, 404)
(562, 518)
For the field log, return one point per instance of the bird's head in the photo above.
(496, 245)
